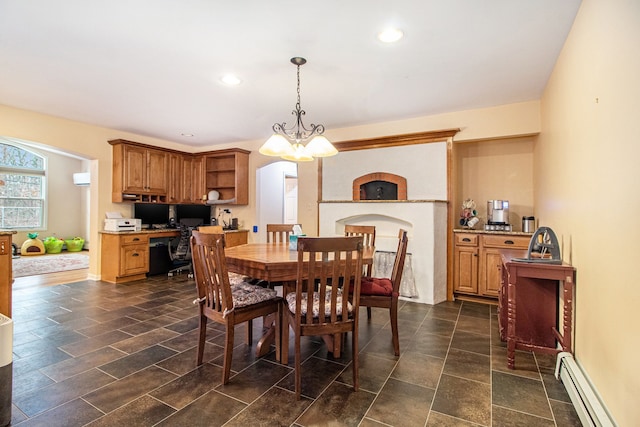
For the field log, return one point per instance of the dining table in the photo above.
(274, 263)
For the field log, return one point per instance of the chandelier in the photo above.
(298, 143)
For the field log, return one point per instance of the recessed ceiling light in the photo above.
(390, 35)
(230, 80)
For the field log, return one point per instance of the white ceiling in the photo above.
(152, 66)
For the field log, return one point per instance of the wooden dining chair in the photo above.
(225, 303)
(368, 233)
(319, 306)
(384, 293)
(279, 233)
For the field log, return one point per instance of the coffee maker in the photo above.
(498, 216)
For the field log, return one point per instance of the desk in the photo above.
(125, 254)
(529, 303)
(273, 262)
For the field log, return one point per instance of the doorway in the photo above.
(277, 196)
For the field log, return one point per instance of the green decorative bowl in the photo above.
(53, 246)
(75, 244)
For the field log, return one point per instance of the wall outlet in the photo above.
(255, 228)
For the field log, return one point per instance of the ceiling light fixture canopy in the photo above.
(298, 143)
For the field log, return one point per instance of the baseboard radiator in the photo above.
(585, 400)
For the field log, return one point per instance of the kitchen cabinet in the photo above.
(125, 257)
(236, 238)
(6, 279)
(140, 174)
(174, 186)
(192, 179)
(477, 260)
(466, 261)
(227, 172)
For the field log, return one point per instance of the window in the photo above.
(22, 188)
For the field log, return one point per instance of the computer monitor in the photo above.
(194, 215)
(152, 214)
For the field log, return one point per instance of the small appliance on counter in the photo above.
(498, 216)
(122, 224)
(115, 222)
(528, 224)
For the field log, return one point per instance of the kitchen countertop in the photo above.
(160, 231)
(511, 233)
(7, 232)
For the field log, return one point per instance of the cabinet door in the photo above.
(188, 192)
(135, 169)
(157, 169)
(235, 238)
(490, 272)
(465, 277)
(134, 259)
(174, 184)
(197, 179)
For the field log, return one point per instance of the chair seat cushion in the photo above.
(245, 294)
(376, 286)
(291, 302)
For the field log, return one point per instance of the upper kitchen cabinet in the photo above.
(174, 186)
(192, 179)
(140, 173)
(227, 172)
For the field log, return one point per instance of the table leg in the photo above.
(268, 336)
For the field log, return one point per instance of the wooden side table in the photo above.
(529, 305)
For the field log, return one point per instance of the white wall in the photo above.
(423, 165)
(270, 184)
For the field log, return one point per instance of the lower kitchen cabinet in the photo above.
(477, 260)
(125, 257)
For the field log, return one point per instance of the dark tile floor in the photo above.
(93, 353)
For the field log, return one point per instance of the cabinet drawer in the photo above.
(466, 239)
(507, 242)
(134, 259)
(134, 239)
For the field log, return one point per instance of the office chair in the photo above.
(181, 254)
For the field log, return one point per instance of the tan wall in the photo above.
(496, 169)
(586, 169)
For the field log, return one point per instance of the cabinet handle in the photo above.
(466, 239)
(135, 254)
(509, 242)
(135, 239)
